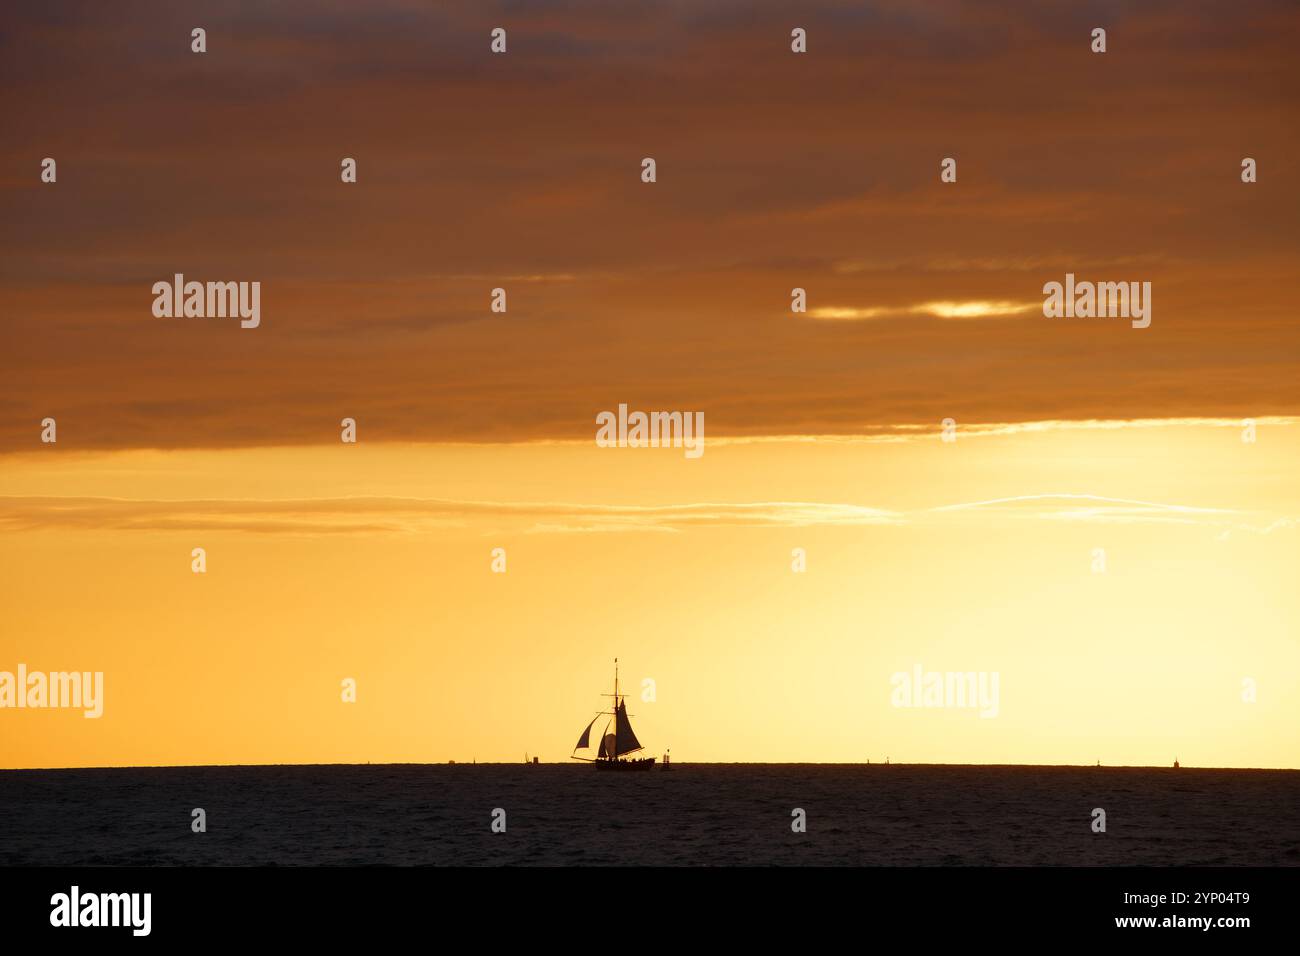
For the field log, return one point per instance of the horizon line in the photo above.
(686, 763)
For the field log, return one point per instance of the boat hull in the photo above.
(645, 763)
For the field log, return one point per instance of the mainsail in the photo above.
(627, 741)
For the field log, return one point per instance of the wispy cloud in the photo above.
(973, 309)
(876, 434)
(1083, 507)
(980, 309)
(398, 515)
(843, 313)
(1074, 507)
(408, 515)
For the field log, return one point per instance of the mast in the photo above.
(614, 755)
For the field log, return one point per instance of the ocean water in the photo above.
(703, 814)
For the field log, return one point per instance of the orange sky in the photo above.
(521, 171)
(373, 562)
(775, 170)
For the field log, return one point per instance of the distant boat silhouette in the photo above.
(615, 746)
(1175, 763)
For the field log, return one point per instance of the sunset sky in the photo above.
(476, 430)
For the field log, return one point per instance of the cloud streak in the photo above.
(975, 309)
(404, 515)
(409, 515)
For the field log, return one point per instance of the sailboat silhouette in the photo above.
(615, 745)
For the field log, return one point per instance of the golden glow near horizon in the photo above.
(938, 310)
(373, 562)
